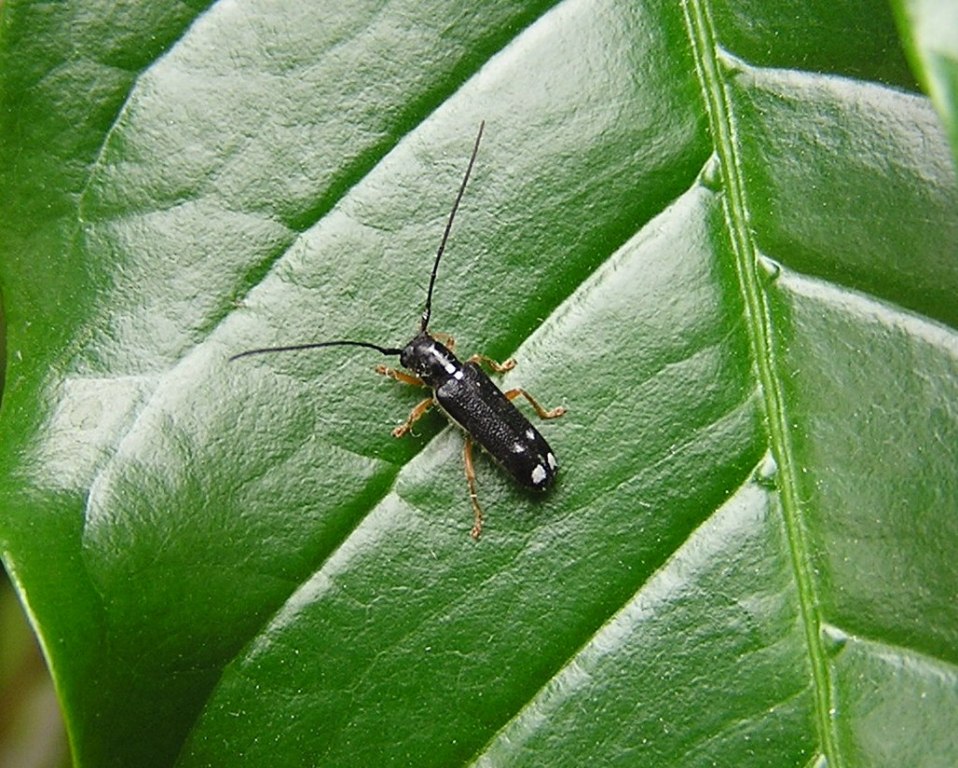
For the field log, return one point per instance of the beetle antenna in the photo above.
(295, 347)
(445, 235)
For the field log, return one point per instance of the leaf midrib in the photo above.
(759, 328)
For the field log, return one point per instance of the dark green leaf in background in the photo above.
(722, 235)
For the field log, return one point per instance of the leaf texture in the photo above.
(722, 235)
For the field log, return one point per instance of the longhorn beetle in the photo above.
(464, 392)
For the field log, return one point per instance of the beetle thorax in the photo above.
(429, 360)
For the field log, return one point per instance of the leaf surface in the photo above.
(722, 235)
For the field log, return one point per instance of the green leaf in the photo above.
(723, 236)
(929, 30)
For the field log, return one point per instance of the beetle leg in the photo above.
(405, 378)
(445, 339)
(508, 365)
(414, 415)
(473, 496)
(555, 413)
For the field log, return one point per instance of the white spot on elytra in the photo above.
(517, 448)
(538, 474)
(530, 434)
(551, 459)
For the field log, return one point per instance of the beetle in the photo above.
(463, 391)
